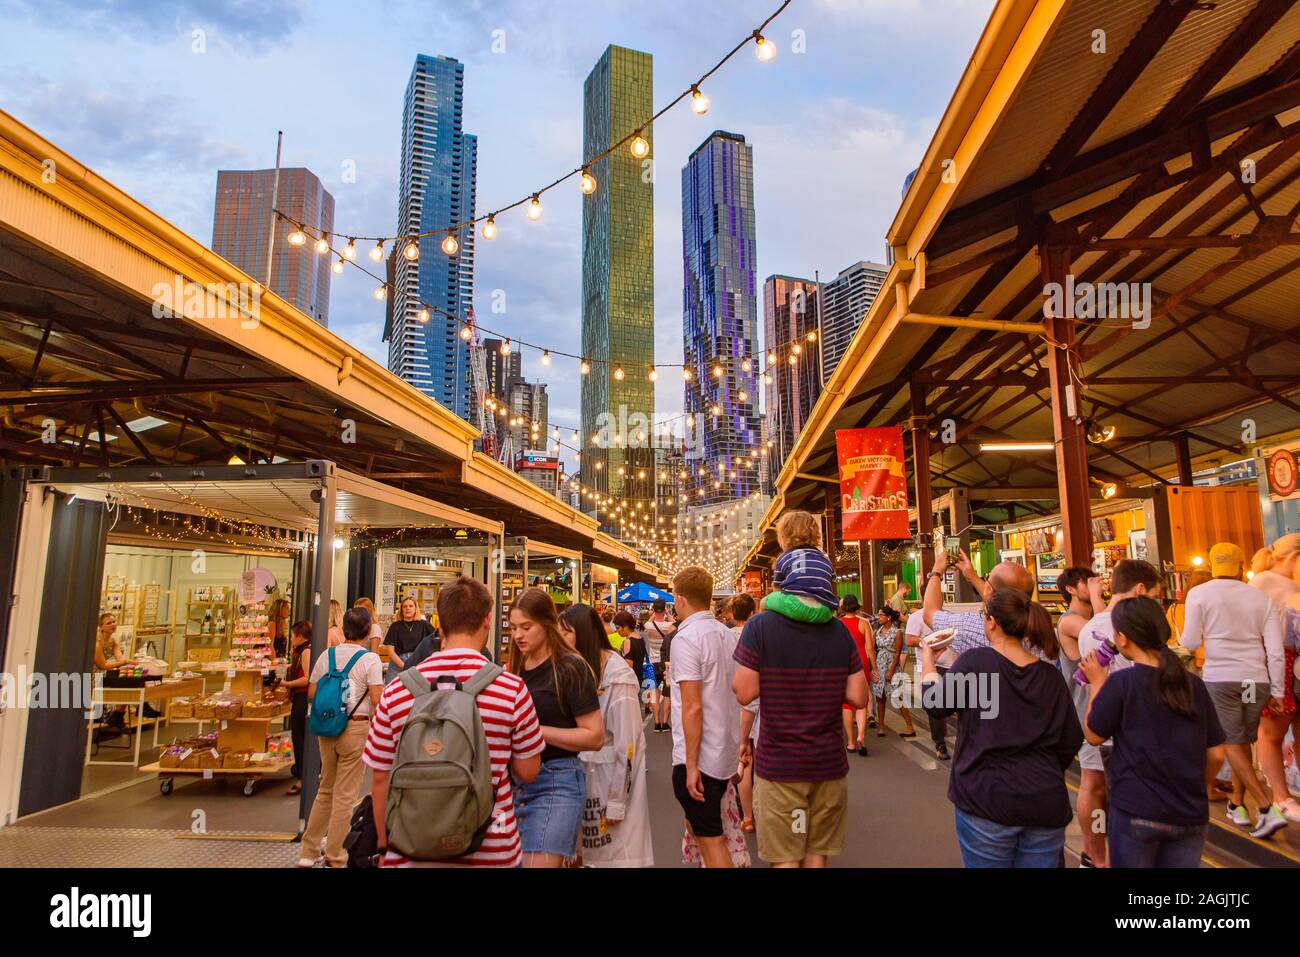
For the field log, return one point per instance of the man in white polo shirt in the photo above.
(705, 713)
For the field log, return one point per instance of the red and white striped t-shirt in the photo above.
(512, 730)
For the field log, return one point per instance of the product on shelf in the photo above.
(182, 708)
(236, 759)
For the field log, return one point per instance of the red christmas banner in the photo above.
(873, 485)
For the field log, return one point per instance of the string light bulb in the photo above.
(466, 332)
(686, 375)
(546, 357)
(377, 254)
(450, 245)
(584, 367)
(411, 250)
(717, 372)
(350, 250)
(699, 102)
(587, 183)
(639, 146)
(771, 358)
(322, 245)
(812, 336)
(535, 208)
(381, 293)
(297, 237)
(654, 374)
(338, 266)
(423, 314)
(764, 49)
(618, 373)
(490, 229)
(505, 348)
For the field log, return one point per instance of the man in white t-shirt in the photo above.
(1130, 578)
(705, 713)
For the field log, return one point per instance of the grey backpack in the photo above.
(440, 795)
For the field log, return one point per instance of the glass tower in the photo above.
(618, 286)
(720, 318)
(845, 301)
(436, 192)
(789, 315)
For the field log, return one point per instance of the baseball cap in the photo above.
(1225, 560)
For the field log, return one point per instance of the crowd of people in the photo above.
(1166, 709)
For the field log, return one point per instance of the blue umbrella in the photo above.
(642, 592)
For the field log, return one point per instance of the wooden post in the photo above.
(1067, 426)
(866, 577)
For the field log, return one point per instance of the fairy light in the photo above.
(535, 208)
(639, 146)
(377, 253)
(699, 102)
(489, 230)
(350, 250)
(587, 183)
(322, 245)
(450, 245)
(297, 237)
(411, 251)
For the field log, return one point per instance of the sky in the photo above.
(157, 96)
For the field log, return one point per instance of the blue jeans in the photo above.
(1136, 842)
(986, 843)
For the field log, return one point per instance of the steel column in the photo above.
(919, 423)
(322, 583)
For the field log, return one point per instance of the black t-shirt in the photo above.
(666, 647)
(1157, 769)
(1017, 732)
(636, 655)
(405, 636)
(575, 696)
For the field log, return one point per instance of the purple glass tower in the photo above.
(720, 319)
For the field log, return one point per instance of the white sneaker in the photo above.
(1238, 815)
(1269, 823)
(306, 862)
(1290, 809)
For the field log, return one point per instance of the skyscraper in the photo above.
(436, 192)
(720, 316)
(845, 301)
(300, 275)
(789, 315)
(528, 407)
(618, 282)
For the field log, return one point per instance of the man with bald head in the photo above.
(969, 625)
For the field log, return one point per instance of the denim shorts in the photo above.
(549, 811)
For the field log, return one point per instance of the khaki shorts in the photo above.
(797, 818)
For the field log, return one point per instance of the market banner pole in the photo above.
(322, 584)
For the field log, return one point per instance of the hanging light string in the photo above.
(764, 49)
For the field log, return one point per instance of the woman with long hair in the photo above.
(889, 654)
(108, 650)
(1017, 732)
(335, 634)
(297, 679)
(616, 823)
(376, 632)
(1276, 569)
(850, 616)
(563, 688)
(1164, 730)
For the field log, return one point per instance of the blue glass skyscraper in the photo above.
(720, 318)
(436, 192)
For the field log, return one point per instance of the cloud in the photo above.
(251, 25)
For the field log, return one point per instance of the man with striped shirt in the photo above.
(509, 721)
(808, 671)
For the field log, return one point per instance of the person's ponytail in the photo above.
(1175, 685)
(1039, 631)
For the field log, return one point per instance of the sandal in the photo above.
(295, 788)
(907, 734)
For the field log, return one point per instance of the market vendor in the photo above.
(405, 634)
(108, 650)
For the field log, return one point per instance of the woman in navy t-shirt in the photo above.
(1164, 729)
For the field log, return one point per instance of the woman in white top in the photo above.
(616, 821)
(1274, 574)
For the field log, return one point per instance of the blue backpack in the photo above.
(329, 715)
